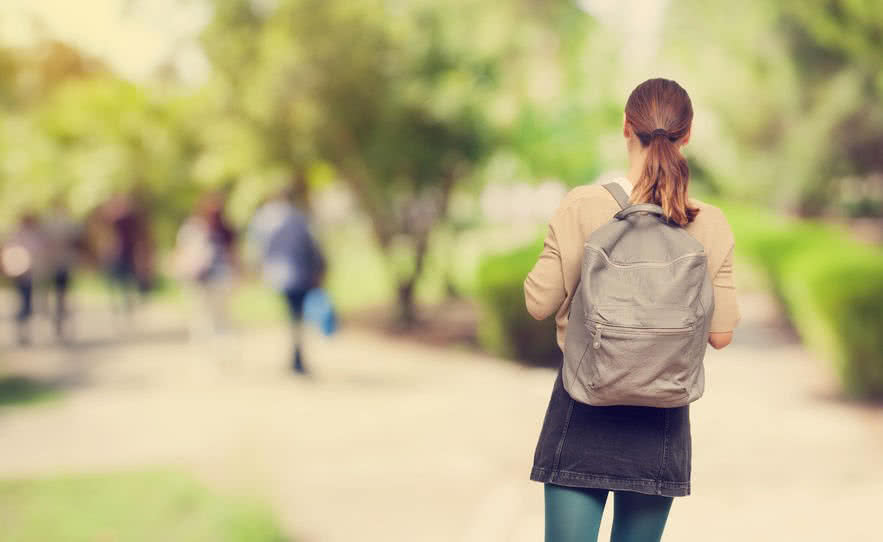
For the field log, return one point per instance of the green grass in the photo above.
(21, 391)
(128, 507)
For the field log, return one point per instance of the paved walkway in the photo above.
(392, 441)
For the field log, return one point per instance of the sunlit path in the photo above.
(395, 441)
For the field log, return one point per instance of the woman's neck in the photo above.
(636, 167)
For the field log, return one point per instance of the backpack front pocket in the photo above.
(638, 364)
(649, 319)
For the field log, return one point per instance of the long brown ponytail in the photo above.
(660, 113)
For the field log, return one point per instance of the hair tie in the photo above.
(659, 132)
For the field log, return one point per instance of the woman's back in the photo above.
(550, 285)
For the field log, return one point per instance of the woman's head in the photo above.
(658, 116)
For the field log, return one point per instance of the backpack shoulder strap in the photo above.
(618, 194)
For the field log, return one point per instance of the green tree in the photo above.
(836, 46)
(392, 95)
(92, 137)
(30, 155)
(795, 100)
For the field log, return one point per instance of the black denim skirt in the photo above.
(619, 447)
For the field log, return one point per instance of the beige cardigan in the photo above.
(549, 287)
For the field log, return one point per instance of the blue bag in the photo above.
(319, 310)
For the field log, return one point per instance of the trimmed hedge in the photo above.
(505, 327)
(831, 287)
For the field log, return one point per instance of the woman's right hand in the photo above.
(719, 340)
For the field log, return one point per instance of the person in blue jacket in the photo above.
(292, 262)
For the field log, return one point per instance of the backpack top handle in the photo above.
(638, 207)
(627, 208)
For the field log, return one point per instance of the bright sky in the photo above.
(136, 36)
(133, 36)
(639, 21)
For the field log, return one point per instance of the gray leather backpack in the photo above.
(639, 319)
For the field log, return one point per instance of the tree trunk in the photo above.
(384, 224)
(407, 314)
(407, 317)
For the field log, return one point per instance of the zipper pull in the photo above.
(597, 343)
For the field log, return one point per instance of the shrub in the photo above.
(505, 327)
(835, 298)
(831, 287)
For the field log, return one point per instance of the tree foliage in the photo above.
(406, 101)
(392, 95)
(794, 104)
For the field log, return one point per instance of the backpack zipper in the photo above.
(640, 329)
(643, 264)
(636, 331)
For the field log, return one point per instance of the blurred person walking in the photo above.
(292, 262)
(205, 256)
(24, 259)
(129, 257)
(641, 453)
(65, 241)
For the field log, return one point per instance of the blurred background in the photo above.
(156, 154)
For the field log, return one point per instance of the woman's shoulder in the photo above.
(710, 225)
(709, 214)
(587, 194)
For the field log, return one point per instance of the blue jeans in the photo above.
(24, 286)
(294, 300)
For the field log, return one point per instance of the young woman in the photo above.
(641, 453)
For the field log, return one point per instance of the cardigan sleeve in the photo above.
(726, 307)
(544, 286)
